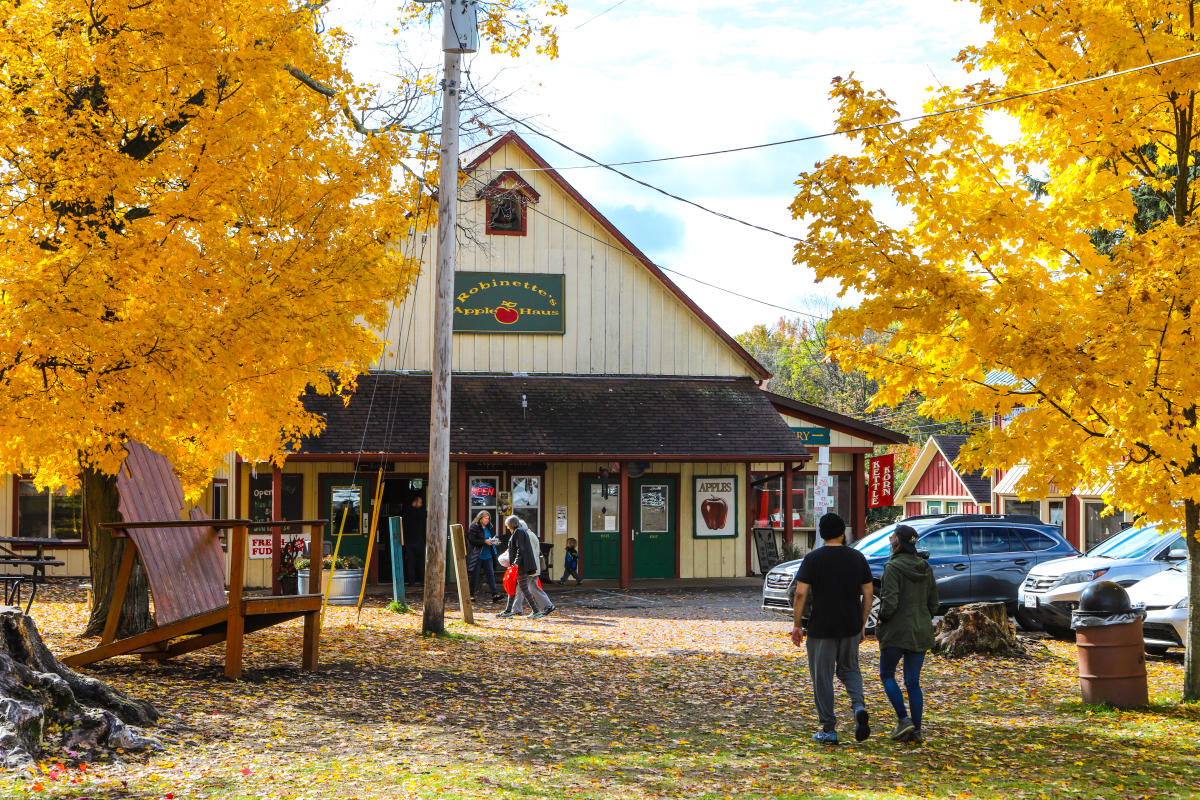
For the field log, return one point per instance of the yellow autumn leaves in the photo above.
(1075, 299)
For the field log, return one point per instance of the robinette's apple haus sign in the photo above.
(500, 302)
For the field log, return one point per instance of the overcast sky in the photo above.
(651, 78)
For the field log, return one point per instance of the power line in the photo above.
(602, 13)
(860, 129)
(640, 182)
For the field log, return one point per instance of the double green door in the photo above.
(655, 503)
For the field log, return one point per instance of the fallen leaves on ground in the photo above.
(692, 693)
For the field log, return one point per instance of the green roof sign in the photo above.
(502, 302)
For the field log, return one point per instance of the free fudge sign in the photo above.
(715, 502)
(501, 302)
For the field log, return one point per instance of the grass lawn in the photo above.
(667, 694)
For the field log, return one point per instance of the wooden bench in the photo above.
(185, 566)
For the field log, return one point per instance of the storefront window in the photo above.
(527, 500)
(346, 502)
(484, 494)
(220, 499)
(1058, 513)
(57, 514)
(766, 498)
(1097, 528)
(1031, 507)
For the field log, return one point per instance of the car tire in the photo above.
(1065, 634)
(1027, 621)
(1156, 650)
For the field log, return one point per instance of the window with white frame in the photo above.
(933, 506)
(56, 514)
(527, 500)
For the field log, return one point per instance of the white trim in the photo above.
(924, 459)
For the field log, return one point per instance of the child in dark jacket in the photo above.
(571, 563)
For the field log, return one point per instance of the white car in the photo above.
(1165, 597)
(1050, 592)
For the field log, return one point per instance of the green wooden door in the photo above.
(654, 501)
(352, 496)
(600, 554)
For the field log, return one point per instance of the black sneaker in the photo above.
(904, 729)
(862, 726)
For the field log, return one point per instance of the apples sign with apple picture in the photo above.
(715, 499)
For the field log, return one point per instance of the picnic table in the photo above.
(23, 563)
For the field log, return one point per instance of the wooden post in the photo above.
(785, 502)
(276, 532)
(235, 625)
(626, 529)
(438, 496)
(461, 578)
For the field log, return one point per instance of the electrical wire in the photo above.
(860, 129)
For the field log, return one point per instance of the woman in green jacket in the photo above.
(907, 602)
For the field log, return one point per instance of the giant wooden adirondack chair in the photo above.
(186, 569)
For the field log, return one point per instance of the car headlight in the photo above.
(1083, 576)
(1182, 603)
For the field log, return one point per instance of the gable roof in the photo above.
(567, 417)
(856, 427)
(979, 485)
(976, 484)
(486, 150)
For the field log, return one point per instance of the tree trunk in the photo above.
(45, 704)
(104, 555)
(1191, 657)
(977, 628)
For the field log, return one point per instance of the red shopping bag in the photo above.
(510, 579)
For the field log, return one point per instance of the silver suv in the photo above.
(1051, 590)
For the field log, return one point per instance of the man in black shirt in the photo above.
(838, 579)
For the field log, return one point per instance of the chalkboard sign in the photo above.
(293, 500)
(764, 544)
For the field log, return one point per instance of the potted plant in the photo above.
(288, 573)
(344, 578)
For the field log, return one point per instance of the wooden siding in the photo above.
(620, 319)
(913, 508)
(940, 480)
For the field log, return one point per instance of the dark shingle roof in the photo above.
(566, 416)
(978, 484)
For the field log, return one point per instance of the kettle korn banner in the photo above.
(715, 502)
(503, 302)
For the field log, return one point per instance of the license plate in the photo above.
(1031, 601)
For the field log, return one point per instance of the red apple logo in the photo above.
(715, 511)
(507, 313)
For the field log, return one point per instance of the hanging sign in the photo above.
(812, 435)
(882, 479)
(714, 501)
(509, 302)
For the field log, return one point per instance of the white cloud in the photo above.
(655, 78)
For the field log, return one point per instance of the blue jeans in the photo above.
(889, 659)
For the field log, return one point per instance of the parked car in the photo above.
(1051, 590)
(1165, 597)
(975, 558)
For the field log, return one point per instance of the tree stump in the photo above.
(46, 704)
(977, 628)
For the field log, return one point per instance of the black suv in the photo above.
(975, 558)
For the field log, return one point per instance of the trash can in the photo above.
(546, 548)
(1112, 652)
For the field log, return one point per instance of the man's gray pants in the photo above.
(825, 657)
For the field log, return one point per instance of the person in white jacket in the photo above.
(524, 551)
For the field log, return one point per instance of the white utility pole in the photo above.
(459, 35)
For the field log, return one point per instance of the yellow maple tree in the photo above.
(197, 227)
(1051, 271)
